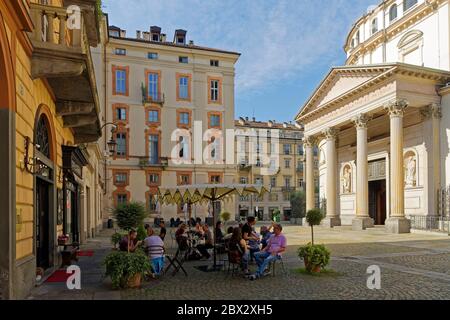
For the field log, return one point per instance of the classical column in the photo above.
(431, 116)
(309, 152)
(333, 218)
(362, 219)
(397, 222)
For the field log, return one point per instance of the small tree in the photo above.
(314, 217)
(130, 215)
(298, 204)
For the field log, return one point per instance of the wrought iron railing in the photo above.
(430, 223)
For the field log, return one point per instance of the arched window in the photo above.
(407, 4)
(42, 137)
(374, 25)
(357, 37)
(393, 12)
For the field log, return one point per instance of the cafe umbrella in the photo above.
(207, 193)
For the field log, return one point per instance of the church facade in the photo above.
(382, 121)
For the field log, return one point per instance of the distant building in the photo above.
(288, 175)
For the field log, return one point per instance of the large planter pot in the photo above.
(132, 282)
(308, 266)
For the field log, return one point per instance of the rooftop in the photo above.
(270, 124)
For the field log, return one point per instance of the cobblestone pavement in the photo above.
(413, 266)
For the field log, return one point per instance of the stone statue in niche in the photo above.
(347, 180)
(410, 180)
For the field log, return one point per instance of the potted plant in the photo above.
(315, 257)
(126, 269)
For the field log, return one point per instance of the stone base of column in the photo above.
(362, 223)
(331, 222)
(398, 225)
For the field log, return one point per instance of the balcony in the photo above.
(61, 55)
(245, 167)
(145, 162)
(287, 189)
(154, 98)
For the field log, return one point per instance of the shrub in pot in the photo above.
(316, 257)
(116, 238)
(126, 269)
(130, 215)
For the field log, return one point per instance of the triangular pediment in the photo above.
(339, 82)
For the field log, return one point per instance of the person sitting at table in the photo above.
(238, 250)
(207, 237)
(266, 234)
(229, 234)
(199, 230)
(253, 245)
(163, 231)
(177, 222)
(218, 232)
(247, 229)
(275, 247)
(154, 247)
(129, 243)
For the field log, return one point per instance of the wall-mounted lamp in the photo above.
(30, 164)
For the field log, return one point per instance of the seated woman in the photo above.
(239, 252)
(130, 243)
(203, 248)
(218, 232)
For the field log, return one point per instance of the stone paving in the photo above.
(413, 266)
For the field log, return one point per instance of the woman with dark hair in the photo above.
(218, 232)
(239, 252)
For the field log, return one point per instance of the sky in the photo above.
(287, 46)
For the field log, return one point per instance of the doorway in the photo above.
(42, 223)
(377, 201)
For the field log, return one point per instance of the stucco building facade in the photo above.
(165, 98)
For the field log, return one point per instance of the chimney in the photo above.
(146, 35)
(246, 118)
(123, 33)
(254, 119)
(191, 42)
(138, 34)
(163, 37)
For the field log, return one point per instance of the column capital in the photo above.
(330, 133)
(309, 141)
(433, 110)
(361, 120)
(396, 108)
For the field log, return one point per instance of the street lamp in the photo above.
(112, 144)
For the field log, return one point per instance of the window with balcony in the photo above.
(121, 148)
(408, 4)
(153, 85)
(299, 165)
(301, 183)
(184, 147)
(393, 12)
(151, 203)
(183, 59)
(258, 162)
(153, 149)
(152, 55)
(215, 148)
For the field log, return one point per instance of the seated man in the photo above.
(275, 247)
(203, 248)
(129, 243)
(154, 246)
(266, 234)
